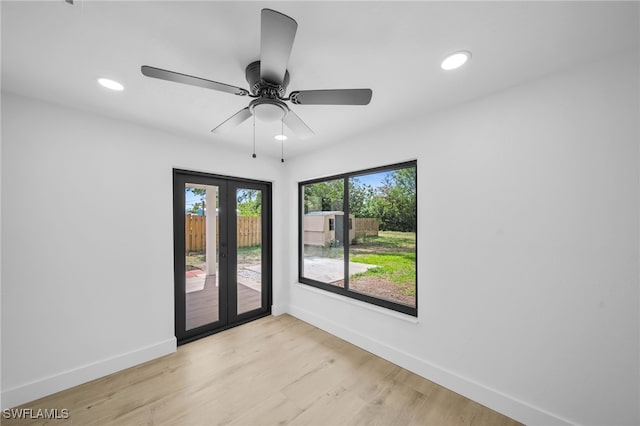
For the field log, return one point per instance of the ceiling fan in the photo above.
(268, 79)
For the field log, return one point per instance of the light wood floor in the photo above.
(273, 371)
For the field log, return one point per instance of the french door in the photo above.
(222, 252)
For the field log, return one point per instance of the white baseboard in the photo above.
(279, 310)
(498, 401)
(48, 385)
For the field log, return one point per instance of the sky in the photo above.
(374, 179)
(190, 199)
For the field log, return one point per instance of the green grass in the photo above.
(386, 241)
(399, 268)
(250, 254)
(393, 253)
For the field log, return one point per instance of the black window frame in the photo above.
(409, 310)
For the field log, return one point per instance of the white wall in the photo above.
(527, 247)
(87, 242)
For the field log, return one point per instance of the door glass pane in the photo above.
(201, 255)
(323, 227)
(382, 254)
(249, 233)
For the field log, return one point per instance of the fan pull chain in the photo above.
(282, 140)
(254, 136)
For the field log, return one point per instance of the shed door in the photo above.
(340, 229)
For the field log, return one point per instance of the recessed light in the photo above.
(110, 84)
(280, 137)
(455, 60)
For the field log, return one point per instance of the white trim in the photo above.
(361, 304)
(277, 310)
(48, 385)
(492, 398)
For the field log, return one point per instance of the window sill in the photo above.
(388, 312)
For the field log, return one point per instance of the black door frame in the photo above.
(228, 316)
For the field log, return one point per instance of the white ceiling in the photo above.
(55, 51)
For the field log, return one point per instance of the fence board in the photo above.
(195, 229)
(366, 227)
(249, 231)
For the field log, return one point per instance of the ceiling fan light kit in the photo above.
(268, 79)
(268, 110)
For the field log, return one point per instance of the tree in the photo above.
(396, 205)
(196, 207)
(249, 202)
(361, 197)
(324, 196)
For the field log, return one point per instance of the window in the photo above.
(358, 235)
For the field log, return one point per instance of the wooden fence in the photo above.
(250, 231)
(195, 232)
(195, 229)
(366, 227)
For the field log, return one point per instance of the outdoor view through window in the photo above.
(359, 235)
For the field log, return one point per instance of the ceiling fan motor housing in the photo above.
(260, 87)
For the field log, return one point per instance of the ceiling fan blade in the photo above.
(332, 97)
(193, 81)
(298, 126)
(276, 40)
(233, 121)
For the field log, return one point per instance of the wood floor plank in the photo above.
(336, 407)
(277, 409)
(273, 371)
